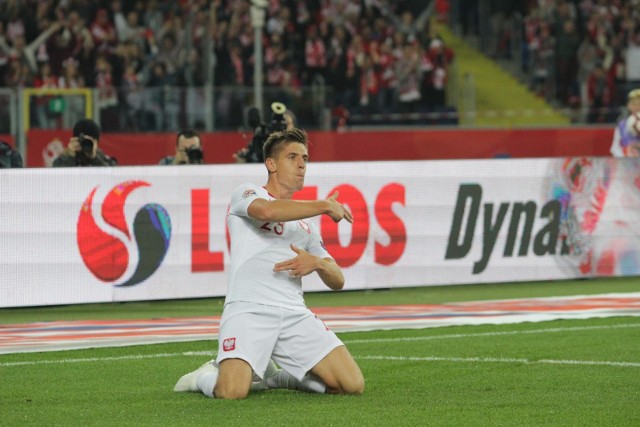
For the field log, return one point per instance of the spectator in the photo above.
(134, 113)
(600, 95)
(45, 105)
(107, 98)
(71, 79)
(438, 58)
(369, 85)
(128, 29)
(82, 149)
(387, 101)
(188, 150)
(542, 49)
(338, 77)
(315, 57)
(632, 58)
(588, 60)
(409, 74)
(162, 97)
(103, 31)
(567, 43)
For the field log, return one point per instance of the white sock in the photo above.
(206, 381)
(283, 379)
(259, 385)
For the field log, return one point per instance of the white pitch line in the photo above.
(376, 340)
(390, 358)
(503, 360)
(494, 334)
(107, 358)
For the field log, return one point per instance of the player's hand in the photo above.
(181, 157)
(337, 210)
(302, 264)
(74, 146)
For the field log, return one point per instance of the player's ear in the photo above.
(271, 165)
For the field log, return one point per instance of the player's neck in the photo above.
(278, 191)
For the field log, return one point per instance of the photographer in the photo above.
(281, 119)
(83, 147)
(9, 158)
(188, 150)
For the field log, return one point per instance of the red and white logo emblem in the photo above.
(229, 344)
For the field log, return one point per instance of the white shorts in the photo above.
(297, 340)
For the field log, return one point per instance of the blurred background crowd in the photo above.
(583, 55)
(155, 63)
(366, 56)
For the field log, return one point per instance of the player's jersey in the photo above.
(256, 246)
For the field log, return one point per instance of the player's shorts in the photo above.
(297, 340)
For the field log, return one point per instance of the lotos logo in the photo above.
(105, 255)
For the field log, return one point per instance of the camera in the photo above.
(86, 145)
(252, 153)
(278, 122)
(195, 155)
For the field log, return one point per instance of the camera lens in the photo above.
(195, 155)
(86, 145)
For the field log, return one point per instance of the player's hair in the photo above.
(187, 133)
(278, 140)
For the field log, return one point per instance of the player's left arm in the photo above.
(305, 263)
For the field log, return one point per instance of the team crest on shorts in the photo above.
(229, 344)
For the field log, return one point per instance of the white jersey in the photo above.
(256, 246)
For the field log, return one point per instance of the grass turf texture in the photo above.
(550, 373)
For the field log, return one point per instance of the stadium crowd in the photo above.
(582, 54)
(373, 54)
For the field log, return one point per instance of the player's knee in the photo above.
(230, 391)
(354, 385)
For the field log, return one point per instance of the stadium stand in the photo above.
(372, 58)
(583, 56)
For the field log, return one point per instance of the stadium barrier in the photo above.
(441, 144)
(84, 235)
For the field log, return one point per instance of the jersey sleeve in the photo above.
(316, 246)
(242, 198)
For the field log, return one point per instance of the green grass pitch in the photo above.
(560, 373)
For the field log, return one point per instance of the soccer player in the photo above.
(264, 316)
(624, 143)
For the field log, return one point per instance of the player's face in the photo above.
(634, 106)
(292, 165)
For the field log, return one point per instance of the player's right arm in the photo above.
(283, 210)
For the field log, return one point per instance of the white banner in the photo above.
(85, 235)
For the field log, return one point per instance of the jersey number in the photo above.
(277, 227)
